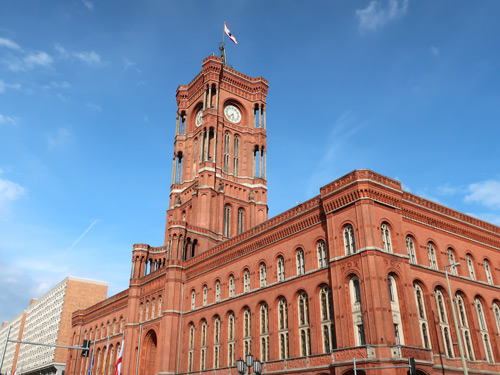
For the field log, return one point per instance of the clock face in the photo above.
(198, 117)
(232, 114)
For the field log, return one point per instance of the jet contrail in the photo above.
(83, 234)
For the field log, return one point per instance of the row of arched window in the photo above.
(103, 356)
(350, 248)
(109, 329)
(148, 311)
(240, 225)
(223, 346)
(263, 276)
(227, 154)
(466, 327)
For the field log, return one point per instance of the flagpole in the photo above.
(105, 357)
(92, 358)
(223, 48)
(138, 350)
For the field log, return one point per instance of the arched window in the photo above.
(217, 342)
(191, 347)
(231, 286)
(203, 352)
(236, 155)
(304, 333)
(281, 268)
(300, 262)
(470, 266)
(217, 290)
(483, 327)
(432, 256)
(283, 328)
(464, 327)
(241, 220)
(422, 316)
(264, 332)
(451, 261)
(193, 299)
(230, 339)
(153, 308)
(396, 310)
(227, 147)
(443, 323)
(321, 247)
(263, 275)
(487, 270)
(147, 312)
(496, 311)
(205, 295)
(227, 220)
(357, 312)
(247, 332)
(141, 308)
(327, 327)
(349, 244)
(246, 280)
(386, 238)
(410, 247)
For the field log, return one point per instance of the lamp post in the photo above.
(459, 333)
(242, 365)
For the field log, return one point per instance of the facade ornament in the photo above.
(177, 200)
(250, 195)
(221, 186)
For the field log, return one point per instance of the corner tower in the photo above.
(219, 186)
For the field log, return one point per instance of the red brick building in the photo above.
(355, 272)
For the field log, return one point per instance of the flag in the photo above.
(228, 33)
(119, 360)
(15, 371)
(91, 361)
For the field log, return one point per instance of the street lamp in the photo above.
(459, 336)
(242, 365)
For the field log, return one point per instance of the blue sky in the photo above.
(407, 88)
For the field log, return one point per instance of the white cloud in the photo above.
(4, 86)
(91, 57)
(4, 42)
(377, 15)
(94, 107)
(39, 58)
(486, 193)
(435, 51)
(62, 137)
(10, 191)
(88, 4)
(7, 120)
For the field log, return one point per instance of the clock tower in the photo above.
(219, 186)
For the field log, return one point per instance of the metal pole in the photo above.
(354, 362)
(5, 347)
(459, 336)
(138, 350)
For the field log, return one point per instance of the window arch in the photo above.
(304, 332)
(483, 328)
(432, 256)
(230, 340)
(422, 316)
(227, 220)
(217, 342)
(236, 153)
(410, 248)
(487, 271)
(321, 247)
(246, 280)
(203, 351)
(217, 290)
(451, 261)
(463, 322)
(496, 311)
(443, 323)
(396, 310)
(205, 295)
(153, 308)
(247, 332)
(263, 275)
(283, 328)
(193, 299)
(281, 268)
(386, 237)
(357, 312)
(470, 266)
(191, 347)
(264, 332)
(299, 255)
(231, 286)
(241, 220)
(227, 146)
(349, 244)
(327, 327)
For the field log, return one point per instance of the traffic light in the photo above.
(86, 346)
(413, 370)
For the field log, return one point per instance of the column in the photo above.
(260, 161)
(173, 171)
(217, 97)
(260, 116)
(254, 164)
(205, 99)
(215, 145)
(202, 140)
(177, 125)
(209, 96)
(207, 136)
(265, 164)
(264, 110)
(133, 269)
